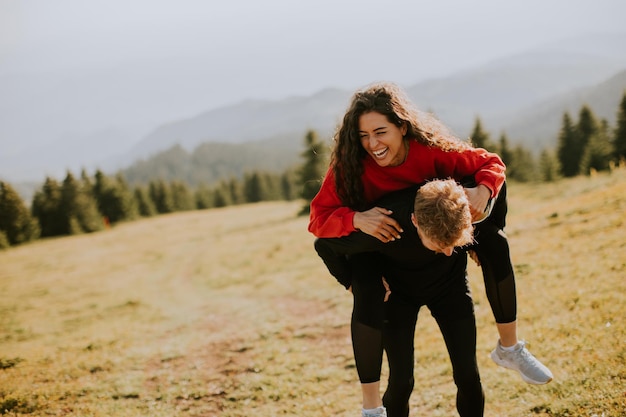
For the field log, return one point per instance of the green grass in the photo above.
(229, 312)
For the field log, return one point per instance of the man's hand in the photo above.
(387, 290)
(473, 256)
(376, 222)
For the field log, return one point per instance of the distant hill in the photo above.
(538, 125)
(250, 121)
(499, 92)
(524, 95)
(535, 126)
(211, 162)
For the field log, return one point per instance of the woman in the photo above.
(384, 144)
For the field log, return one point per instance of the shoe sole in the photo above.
(499, 362)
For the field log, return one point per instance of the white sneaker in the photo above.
(375, 412)
(522, 361)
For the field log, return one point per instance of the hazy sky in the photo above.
(75, 71)
(275, 48)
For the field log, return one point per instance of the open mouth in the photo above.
(381, 153)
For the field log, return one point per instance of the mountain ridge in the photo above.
(502, 93)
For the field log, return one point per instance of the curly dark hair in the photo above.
(389, 100)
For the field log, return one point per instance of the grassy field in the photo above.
(229, 312)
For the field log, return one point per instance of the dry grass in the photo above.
(229, 312)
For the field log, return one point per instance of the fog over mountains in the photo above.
(523, 95)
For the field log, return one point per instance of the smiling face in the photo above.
(382, 140)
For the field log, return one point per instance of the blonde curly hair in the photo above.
(441, 209)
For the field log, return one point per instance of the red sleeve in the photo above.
(329, 218)
(486, 167)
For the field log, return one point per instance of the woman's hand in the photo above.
(478, 198)
(376, 222)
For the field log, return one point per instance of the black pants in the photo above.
(492, 248)
(454, 312)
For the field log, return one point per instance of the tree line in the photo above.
(583, 146)
(87, 204)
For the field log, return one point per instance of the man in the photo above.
(423, 267)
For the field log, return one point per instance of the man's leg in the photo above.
(398, 340)
(454, 313)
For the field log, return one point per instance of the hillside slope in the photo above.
(230, 312)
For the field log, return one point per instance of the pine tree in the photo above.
(115, 200)
(79, 208)
(313, 169)
(4, 240)
(204, 197)
(568, 160)
(145, 205)
(128, 204)
(222, 197)
(16, 222)
(46, 208)
(598, 151)
(161, 195)
(583, 131)
(548, 166)
(504, 150)
(235, 190)
(86, 181)
(182, 198)
(619, 141)
(288, 185)
(480, 138)
(254, 188)
(522, 168)
(273, 186)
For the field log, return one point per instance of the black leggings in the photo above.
(454, 312)
(492, 248)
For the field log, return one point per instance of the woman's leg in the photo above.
(366, 325)
(492, 250)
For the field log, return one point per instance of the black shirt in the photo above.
(409, 267)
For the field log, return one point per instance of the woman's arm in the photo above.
(330, 218)
(485, 167)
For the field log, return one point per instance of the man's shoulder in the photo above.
(400, 198)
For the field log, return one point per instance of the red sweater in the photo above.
(329, 218)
